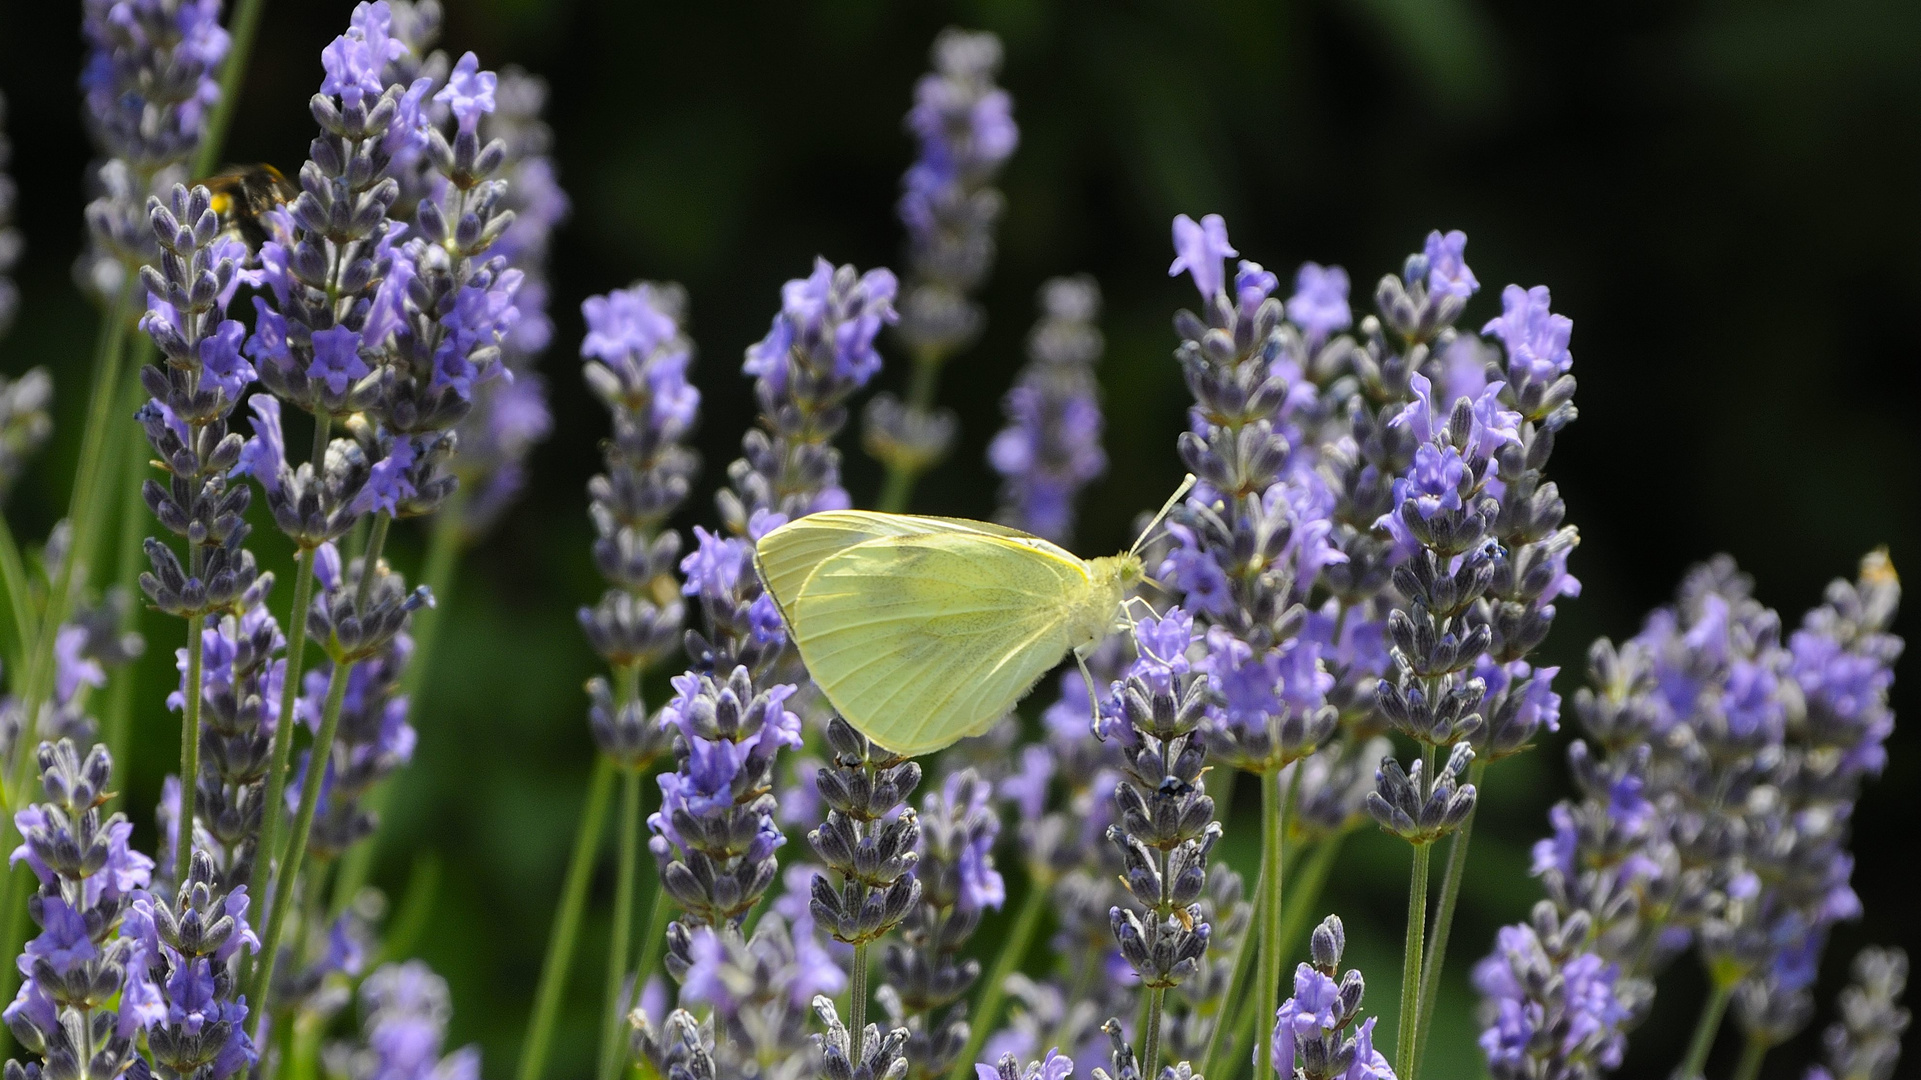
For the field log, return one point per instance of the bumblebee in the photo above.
(242, 193)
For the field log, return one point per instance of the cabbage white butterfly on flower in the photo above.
(924, 630)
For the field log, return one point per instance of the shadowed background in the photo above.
(1721, 195)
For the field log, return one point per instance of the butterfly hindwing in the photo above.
(923, 638)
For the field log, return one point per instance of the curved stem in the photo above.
(656, 936)
(1408, 1020)
(189, 756)
(1230, 1013)
(321, 753)
(560, 946)
(1307, 891)
(444, 546)
(1751, 1055)
(1267, 991)
(1705, 1029)
(898, 490)
(628, 859)
(1444, 917)
(134, 517)
(13, 578)
(246, 21)
(994, 992)
(857, 1005)
(276, 795)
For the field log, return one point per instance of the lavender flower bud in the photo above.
(1311, 1027)
(879, 1057)
(1865, 1042)
(867, 837)
(1552, 1008)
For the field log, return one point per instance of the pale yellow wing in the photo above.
(786, 556)
(920, 640)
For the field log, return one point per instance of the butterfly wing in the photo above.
(920, 640)
(786, 556)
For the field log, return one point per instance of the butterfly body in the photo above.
(924, 630)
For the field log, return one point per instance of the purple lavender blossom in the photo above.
(818, 352)
(1051, 447)
(407, 1008)
(1447, 269)
(1199, 249)
(965, 126)
(1319, 304)
(1551, 1007)
(719, 792)
(148, 84)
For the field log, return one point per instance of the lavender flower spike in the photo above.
(950, 207)
(1051, 446)
(1864, 1043)
(818, 352)
(149, 84)
(1312, 1026)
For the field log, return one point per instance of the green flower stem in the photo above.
(1709, 1025)
(650, 945)
(117, 719)
(1444, 918)
(560, 945)
(1411, 951)
(1307, 892)
(1751, 1055)
(446, 541)
(296, 626)
(240, 32)
(1267, 990)
(13, 578)
(190, 756)
(83, 514)
(322, 751)
(994, 992)
(898, 490)
(857, 1004)
(612, 1046)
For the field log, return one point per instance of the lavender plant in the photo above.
(950, 207)
(1051, 446)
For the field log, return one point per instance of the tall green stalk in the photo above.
(994, 992)
(1751, 1055)
(898, 490)
(1444, 917)
(13, 578)
(36, 671)
(1267, 992)
(1408, 1022)
(857, 1005)
(1705, 1029)
(612, 1046)
(273, 808)
(240, 34)
(560, 945)
(190, 755)
(446, 540)
(323, 745)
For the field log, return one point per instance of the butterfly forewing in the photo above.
(786, 556)
(921, 639)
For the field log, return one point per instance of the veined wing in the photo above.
(919, 640)
(786, 556)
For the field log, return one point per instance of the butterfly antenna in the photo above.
(1186, 486)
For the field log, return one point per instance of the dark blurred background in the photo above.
(1721, 195)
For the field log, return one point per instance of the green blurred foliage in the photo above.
(1722, 194)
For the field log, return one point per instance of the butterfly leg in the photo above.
(1093, 703)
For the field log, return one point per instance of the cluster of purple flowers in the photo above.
(950, 207)
(149, 84)
(1717, 792)
(1051, 446)
(1312, 1027)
